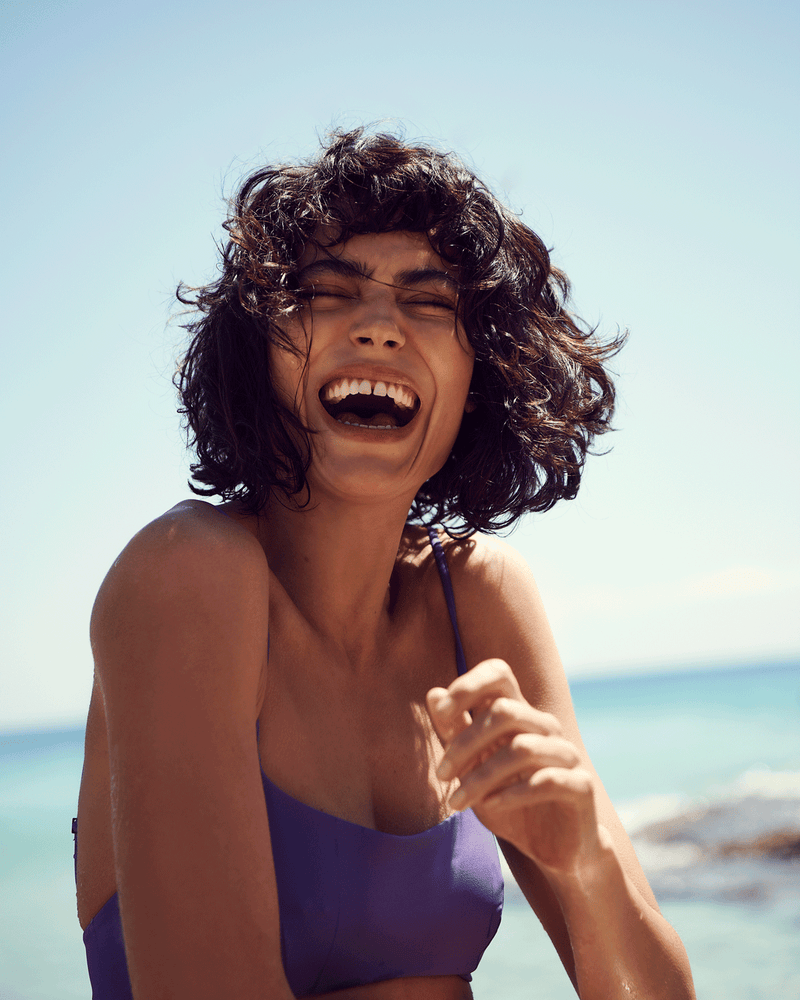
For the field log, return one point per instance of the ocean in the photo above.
(703, 767)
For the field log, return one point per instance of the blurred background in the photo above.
(654, 147)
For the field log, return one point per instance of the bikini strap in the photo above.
(447, 586)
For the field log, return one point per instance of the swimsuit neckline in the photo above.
(436, 829)
(447, 821)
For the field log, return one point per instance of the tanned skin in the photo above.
(361, 713)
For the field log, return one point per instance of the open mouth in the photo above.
(363, 403)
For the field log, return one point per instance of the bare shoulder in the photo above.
(499, 607)
(485, 564)
(192, 552)
(501, 615)
(188, 582)
(192, 532)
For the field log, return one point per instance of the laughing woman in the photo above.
(313, 711)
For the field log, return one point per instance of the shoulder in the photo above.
(498, 606)
(191, 529)
(186, 581)
(188, 548)
(481, 567)
(484, 569)
(501, 614)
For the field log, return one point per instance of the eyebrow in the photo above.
(356, 269)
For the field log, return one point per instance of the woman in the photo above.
(311, 712)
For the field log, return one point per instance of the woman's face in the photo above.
(388, 365)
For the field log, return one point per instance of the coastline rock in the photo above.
(783, 845)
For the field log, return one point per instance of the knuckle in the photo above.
(520, 744)
(569, 753)
(546, 780)
(501, 710)
(501, 669)
(552, 725)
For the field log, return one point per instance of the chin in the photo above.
(364, 480)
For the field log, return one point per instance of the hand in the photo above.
(516, 769)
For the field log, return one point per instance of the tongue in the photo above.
(373, 420)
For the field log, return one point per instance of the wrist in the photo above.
(593, 872)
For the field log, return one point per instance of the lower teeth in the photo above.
(371, 427)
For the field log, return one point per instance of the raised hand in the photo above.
(521, 776)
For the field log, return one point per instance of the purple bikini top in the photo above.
(357, 905)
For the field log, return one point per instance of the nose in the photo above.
(378, 326)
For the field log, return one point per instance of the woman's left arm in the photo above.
(512, 740)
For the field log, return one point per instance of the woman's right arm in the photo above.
(179, 634)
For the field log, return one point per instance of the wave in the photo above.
(741, 843)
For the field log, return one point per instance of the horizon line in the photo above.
(655, 669)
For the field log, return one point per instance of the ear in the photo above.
(470, 406)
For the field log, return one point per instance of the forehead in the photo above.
(381, 255)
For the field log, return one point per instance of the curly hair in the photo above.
(539, 381)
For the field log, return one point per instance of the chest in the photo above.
(359, 744)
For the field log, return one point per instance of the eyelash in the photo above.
(309, 294)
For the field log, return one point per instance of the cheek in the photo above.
(456, 379)
(287, 371)
(464, 366)
(286, 379)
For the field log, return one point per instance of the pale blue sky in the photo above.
(653, 145)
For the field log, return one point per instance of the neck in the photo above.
(335, 561)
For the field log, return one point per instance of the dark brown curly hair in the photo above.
(539, 382)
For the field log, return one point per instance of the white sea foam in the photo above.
(715, 847)
(762, 782)
(637, 814)
(782, 788)
(667, 857)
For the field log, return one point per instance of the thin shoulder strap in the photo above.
(447, 586)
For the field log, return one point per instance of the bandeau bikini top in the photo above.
(357, 905)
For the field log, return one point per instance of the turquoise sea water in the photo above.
(692, 761)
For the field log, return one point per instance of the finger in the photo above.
(549, 784)
(512, 764)
(475, 689)
(446, 724)
(491, 727)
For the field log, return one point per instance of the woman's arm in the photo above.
(179, 634)
(525, 772)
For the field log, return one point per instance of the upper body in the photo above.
(321, 624)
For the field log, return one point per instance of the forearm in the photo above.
(622, 947)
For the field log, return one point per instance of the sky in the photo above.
(652, 145)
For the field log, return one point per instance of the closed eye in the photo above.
(429, 306)
(425, 305)
(316, 292)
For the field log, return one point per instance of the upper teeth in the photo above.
(352, 386)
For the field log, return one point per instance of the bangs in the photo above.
(376, 184)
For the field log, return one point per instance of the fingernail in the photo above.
(445, 769)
